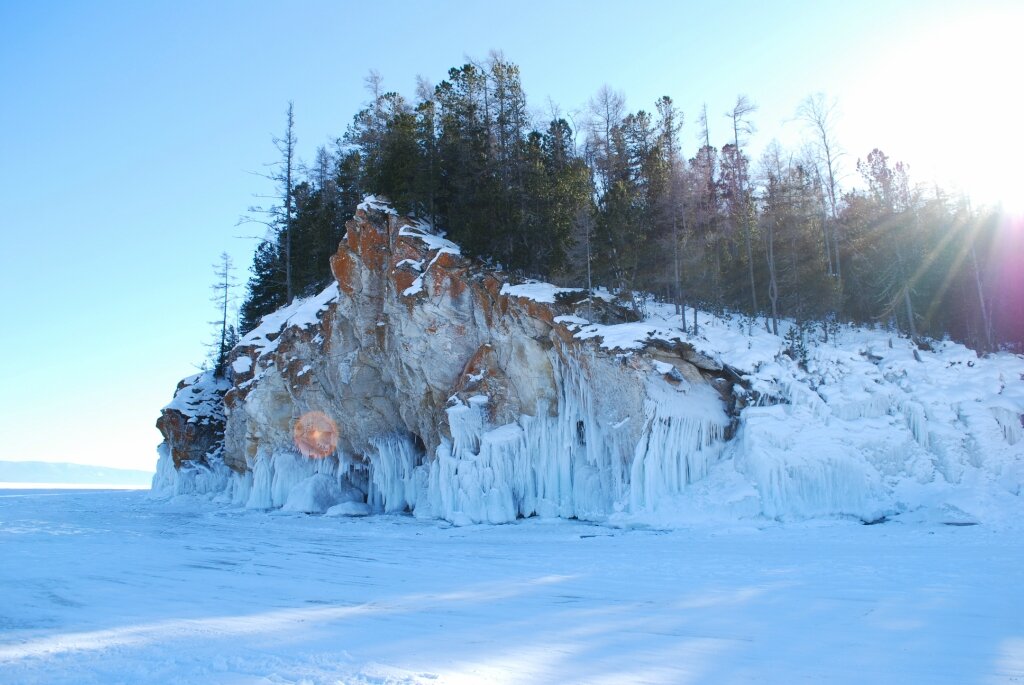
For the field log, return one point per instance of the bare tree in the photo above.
(670, 123)
(818, 115)
(223, 298)
(704, 132)
(605, 111)
(777, 212)
(279, 216)
(286, 185)
(984, 306)
(741, 128)
(373, 82)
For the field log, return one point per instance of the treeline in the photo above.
(608, 197)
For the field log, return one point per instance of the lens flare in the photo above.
(315, 435)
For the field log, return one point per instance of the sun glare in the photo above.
(946, 101)
(316, 435)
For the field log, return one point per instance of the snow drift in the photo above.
(459, 395)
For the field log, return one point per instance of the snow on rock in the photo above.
(302, 313)
(461, 396)
(435, 242)
(198, 398)
(374, 203)
(536, 291)
(433, 239)
(190, 458)
(241, 365)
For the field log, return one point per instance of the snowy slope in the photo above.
(866, 425)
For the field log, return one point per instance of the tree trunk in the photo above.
(986, 316)
(773, 286)
(910, 313)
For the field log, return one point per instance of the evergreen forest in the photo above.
(616, 198)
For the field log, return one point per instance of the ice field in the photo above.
(112, 587)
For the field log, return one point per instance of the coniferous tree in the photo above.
(628, 211)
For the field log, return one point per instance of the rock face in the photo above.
(193, 429)
(453, 396)
(193, 423)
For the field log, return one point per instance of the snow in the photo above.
(862, 427)
(242, 365)
(102, 587)
(434, 241)
(377, 204)
(302, 313)
(429, 236)
(349, 509)
(536, 291)
(314, 495)
(416, 264)
(200, 396)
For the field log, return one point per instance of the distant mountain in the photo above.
(65, 474)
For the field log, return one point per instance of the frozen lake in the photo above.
(108, 587)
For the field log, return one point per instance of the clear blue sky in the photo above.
(131, 131)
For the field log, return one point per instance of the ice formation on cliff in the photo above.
(588, 420)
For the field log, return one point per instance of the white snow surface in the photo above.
(377, 204)
(430, 236)
(301, 313)
(536, 290)
(864, 428)
(200, 397)
(113, 588)
(435, 241)
(242, 365)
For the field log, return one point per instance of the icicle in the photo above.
(681, 439)
(914, 414)
(1010, 421)
(393, 460)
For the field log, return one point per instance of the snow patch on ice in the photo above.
(349, 509)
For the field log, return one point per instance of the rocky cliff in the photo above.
(421, 381)
(434, 386)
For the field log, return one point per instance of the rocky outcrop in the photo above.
(193, 423)
(453, 394)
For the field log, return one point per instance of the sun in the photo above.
(946, 100)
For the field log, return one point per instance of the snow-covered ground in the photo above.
(111, 587)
